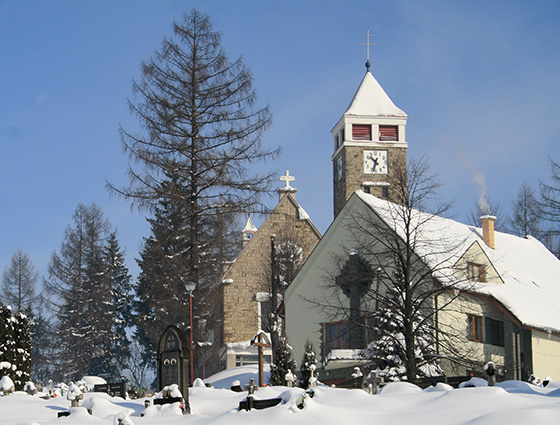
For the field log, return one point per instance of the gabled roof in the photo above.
(301, 215)
(371, 100)
(531, 273)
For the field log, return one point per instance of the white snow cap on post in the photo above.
(74, 393)
(6, 384)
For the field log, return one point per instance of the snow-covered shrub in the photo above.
(387, 351)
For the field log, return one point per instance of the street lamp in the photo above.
(190, 288)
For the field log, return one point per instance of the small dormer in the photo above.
(475, 266)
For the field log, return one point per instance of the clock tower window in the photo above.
(385, 192)
(388, 133)
(361, 131)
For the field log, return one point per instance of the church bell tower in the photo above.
(369, 143)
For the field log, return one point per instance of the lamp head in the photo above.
(190, 286)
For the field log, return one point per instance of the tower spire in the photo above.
(367, 43)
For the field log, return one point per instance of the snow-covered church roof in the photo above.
(371, 100)
(530, 272)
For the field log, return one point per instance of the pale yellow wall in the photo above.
(453, 319)
(546, 355)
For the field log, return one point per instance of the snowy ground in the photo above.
(512, 402)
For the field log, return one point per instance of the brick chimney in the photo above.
(488, 230)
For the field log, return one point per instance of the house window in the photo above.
(494, 331)
(388, 133)
(361, 131)
(475, 272)
(336, 336)
(475, 328)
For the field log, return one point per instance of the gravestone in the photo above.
(117, 389)
(173, 361)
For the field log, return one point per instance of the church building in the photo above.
(241, 300)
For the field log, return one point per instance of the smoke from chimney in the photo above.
(480, 179)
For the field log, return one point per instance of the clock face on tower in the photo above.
(375, 162)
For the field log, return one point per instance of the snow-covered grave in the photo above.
(507, 403)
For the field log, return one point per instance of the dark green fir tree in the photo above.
(283, 362)
(308, 364)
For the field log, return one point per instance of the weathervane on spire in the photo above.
(367, 43)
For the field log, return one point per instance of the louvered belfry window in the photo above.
(361, 131)
(388, 133)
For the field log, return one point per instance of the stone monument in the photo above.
(173, 360)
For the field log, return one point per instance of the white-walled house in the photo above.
(501, 297)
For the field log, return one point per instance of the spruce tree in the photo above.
(7, 342)
(283, 362)
(387, 350)
(22, 353)
(121, 302)
(161, 297)
(308, 364)
(15, 347)
(80, 294)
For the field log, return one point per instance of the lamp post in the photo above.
(190, 288)
(274, 297)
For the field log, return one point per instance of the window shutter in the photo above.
(388, 133)
(488, 333)
(361, 131)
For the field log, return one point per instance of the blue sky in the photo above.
(479, 81)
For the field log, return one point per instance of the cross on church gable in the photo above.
(287, 179)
